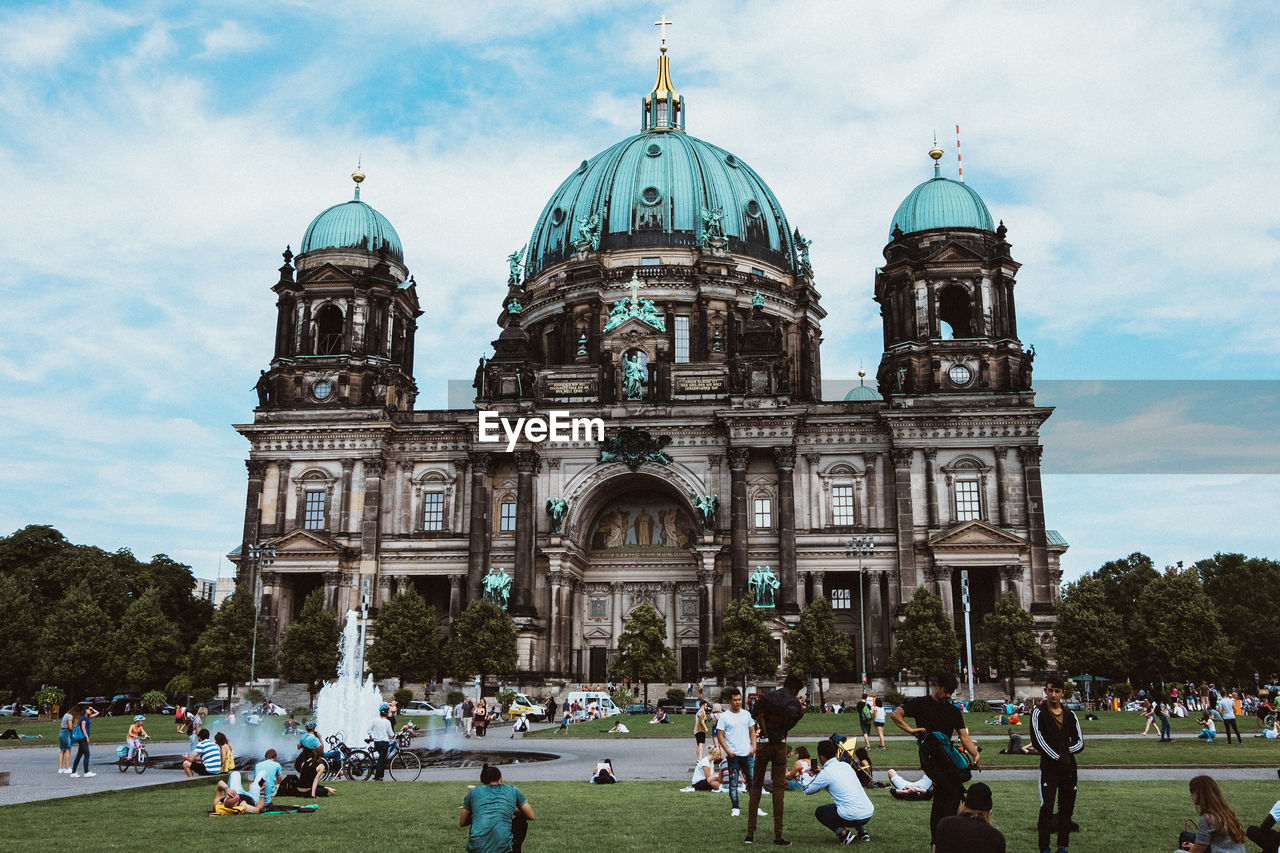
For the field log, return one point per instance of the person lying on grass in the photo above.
(227, 800)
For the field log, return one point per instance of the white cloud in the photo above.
(230, 37)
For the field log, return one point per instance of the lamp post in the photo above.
(858, 546)
(259, 555)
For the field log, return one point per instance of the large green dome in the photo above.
(650, 190)
(941, 203)
(352, 225)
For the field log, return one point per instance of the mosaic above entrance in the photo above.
(640, 520)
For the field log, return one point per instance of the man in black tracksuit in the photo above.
(1055, 731)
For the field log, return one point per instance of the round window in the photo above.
(557, 216)
(731, 161)
(651, 195)
(753, 207)
(959, 375)
(582, 167)
(654, 150)
(322, 390)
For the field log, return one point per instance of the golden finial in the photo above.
(935, 152)
(663, 23)
(861, 373)
(357, 176)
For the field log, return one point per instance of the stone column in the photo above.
(527, 464)
(478, 543)
(1041, 588)
(282, 494)
(784, 460)
(819, 578)
(870, 465)
(371, 517)
(813, 519)
(271, 604)
(1002, 474)
(1010, 575)
(555, 579)
(931, 484)
(706, 605)
(669, 604)
(905, 520)
(941, 575)
(252, 521)
(332, 583)
(738, 457)
(615, 613)
(344, 523)
(456, 582)
(386, 586)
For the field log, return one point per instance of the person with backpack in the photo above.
(866, 714)
(934, 714)
(1056, 734)
(776, 713)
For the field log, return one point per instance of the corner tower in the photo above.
(946, 297)
(347, 311)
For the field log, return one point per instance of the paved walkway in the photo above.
(33, 773)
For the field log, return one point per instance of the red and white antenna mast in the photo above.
(959, 162)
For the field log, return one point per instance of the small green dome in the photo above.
(862, 392)
(941, 203)
(352, 225)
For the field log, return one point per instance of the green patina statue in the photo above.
(707, 506)
(633, 378)
(633, 447)
(514, 307)
(557, 508)
(757, 301)
(764, 583)
(497, 587)
(514, 266)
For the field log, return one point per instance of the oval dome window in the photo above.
(582, 167)
(753, 207)
(732, 161)
(654, 150)
(557, 216)
(651, 195)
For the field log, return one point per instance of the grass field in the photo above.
(106, 729)
(635, 816)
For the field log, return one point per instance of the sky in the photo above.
(159, 156)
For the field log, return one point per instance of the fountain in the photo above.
(350, 704)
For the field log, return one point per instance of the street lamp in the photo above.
(858, 546)
(259, 555)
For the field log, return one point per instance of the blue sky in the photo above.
(160, 155)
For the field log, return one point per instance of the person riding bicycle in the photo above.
(381, 733)
(134, 737)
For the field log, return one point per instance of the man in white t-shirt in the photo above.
(736, 737)
(852, 808)
(1227, 708)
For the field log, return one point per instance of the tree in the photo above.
(815, 647)
(309, 652)
(408, 641)
(1176, 635)
(486, 642)
(17, 629)
(149, 644)
(643, 654)
(1089, 636)
(77, 648)
(1123, 582)
(745, 646)
(1246, 593)
(924, 641)
(221, 653)
(1011, 640)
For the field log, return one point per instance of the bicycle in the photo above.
(343, 761)
(403, 764)
(139, 760)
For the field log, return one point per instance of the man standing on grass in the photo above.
(1055, 731)
(736, 734)
(935, 713)
(776, 713)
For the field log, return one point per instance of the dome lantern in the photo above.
(663, 107)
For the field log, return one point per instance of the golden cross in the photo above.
(664, 23)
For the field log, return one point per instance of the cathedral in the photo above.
(648, 424)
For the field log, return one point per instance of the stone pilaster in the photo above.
(738, 458)
(1041, 584)
(344, 523)
(247, 572)
(527, 463)
(905, 520)
(784, 460)
(478, 543)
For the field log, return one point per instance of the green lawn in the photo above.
(107, 729)
(635, 816)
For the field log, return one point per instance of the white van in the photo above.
(599, 697)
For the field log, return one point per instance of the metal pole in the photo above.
(364, 621)
(859, 545)
(257, 611)
(968, 636)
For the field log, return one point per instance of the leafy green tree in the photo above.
(77, 645)
(815, 647)
(745, 646)
(643, 654)
(1246, 593)
(1123, 582)
(149, 644)
(1176, 635)
(309, 652)
(485, 643)
(221, 652)
(1011, 641)
(924, 641)
(17, 628)
(175, 589)
(408, 641)
(1089, 636)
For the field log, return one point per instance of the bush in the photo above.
(896, 698)
(50, 697)
(505, 697)
(179, 685)
(676, 695)
(403, 696)
(623, 697)
(254, 696)
(301, 712)
(202, 696)
(453, 697)
(152, 700)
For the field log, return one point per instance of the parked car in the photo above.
(639, 708)
(101, 704)
(119, 701)
(691, 706)
(1075, 706)
(420, 708)
(263, 709)
(27, 711)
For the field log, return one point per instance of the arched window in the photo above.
(329, 330)
(954, 312)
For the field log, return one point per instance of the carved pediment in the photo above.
(974, 535)
(598, 632)
(326, 273)
(954, 252)
(305, 543)
(634, 330)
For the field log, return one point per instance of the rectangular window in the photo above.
(842, 506)
(757, 271)
(508, 517)
(840, 599)
(764, 513)
(968, 504)
(682, 340)
(433, 511)
(651, 262)
(313, 511)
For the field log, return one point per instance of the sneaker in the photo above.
(735, 813)
(862, 836)
(846, 837)
(762, 813)
(781, 842)
(87, 775)
(687, 789)
(75, 775)
(749, 839)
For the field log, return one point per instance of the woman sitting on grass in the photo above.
(801, 772)
(705, 777)
(224, 748)
(311, 768)
(1208, 731)
(1219, 829)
